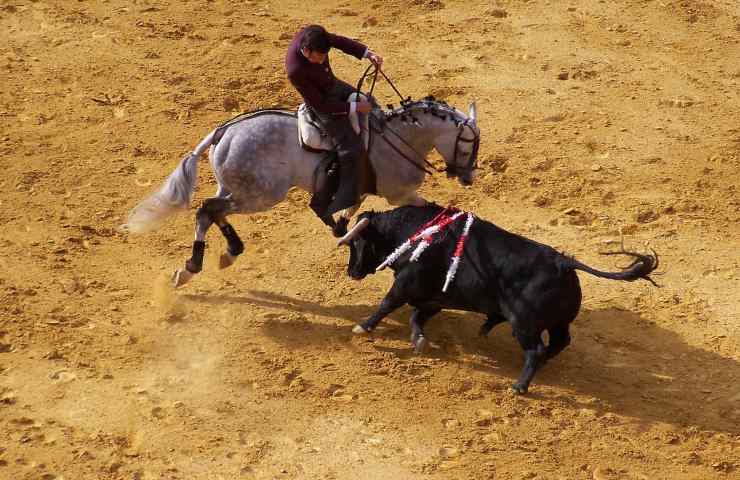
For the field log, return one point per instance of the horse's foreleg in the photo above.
(340, 229)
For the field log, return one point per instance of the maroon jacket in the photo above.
(314, 81)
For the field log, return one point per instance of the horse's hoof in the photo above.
(340, 229)
(421, 344)
(181, 277)
(519, 389)
(226, 260)
(329, 221)
(358, 329)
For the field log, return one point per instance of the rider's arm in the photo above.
(354, 48)
(348, 46)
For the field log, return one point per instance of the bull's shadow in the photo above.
(302, 333)
(632, 366)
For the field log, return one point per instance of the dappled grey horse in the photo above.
(257, 159)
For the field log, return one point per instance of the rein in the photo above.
(375, 78)
(380, 130)
(411, 161)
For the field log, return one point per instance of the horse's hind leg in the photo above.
(213, 210)
(234, 247)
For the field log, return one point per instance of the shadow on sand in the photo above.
(633, 366)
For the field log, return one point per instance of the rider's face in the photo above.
(314, 56)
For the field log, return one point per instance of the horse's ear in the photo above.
(472, 113)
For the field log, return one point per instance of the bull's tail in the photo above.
(173, 196)
(640, 268)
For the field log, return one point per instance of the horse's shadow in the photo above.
(631, 366)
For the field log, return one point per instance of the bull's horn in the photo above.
(361, 225)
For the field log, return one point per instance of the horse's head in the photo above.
(458, 143)
(452, 133)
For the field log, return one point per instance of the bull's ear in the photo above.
(473, 113)
(352, 234)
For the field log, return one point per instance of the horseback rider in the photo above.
(308, 69)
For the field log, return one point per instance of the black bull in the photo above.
(502, 275)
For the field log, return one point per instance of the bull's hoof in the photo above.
(359, 329)
(226, 260)
(181, 277)
(519, 389)
(421, 344)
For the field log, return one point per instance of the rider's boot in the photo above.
(322, 197)
(348, 192)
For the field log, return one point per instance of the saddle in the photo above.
(312, 137)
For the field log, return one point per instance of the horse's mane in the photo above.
(429, 104)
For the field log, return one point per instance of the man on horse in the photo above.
(308, 69)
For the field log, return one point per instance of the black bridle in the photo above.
(455, 170)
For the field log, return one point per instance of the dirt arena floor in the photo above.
(599, 119)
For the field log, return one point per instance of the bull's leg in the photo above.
(391, 302)
(534, 357)
(212, 209)
(419, 318)
(492, 320)
(559, 339)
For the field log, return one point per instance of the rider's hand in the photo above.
(364, 107)
(375, 58)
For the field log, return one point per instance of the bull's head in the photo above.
(363, 255)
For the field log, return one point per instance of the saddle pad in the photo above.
(313, 136)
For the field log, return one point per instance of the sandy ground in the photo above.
(598, 119)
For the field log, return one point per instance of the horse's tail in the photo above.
(173, 196)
